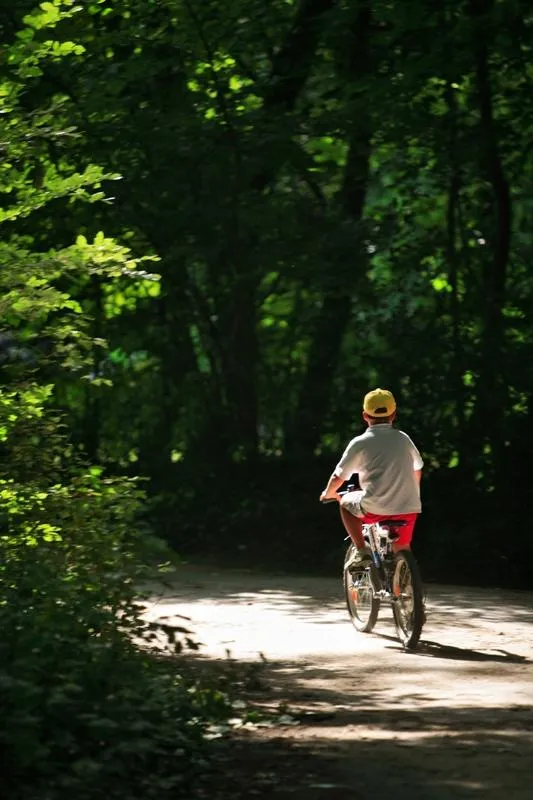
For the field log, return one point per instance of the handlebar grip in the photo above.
(329, 500)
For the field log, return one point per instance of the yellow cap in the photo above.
(379, 403)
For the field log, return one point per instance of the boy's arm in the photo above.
(346, 467)
(418, 461)
(330, 492)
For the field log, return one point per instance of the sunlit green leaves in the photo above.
(48, 14)
(441, 284)
(328, 149)
(84, 186)
(31, 301)
(107, 257)
(222, 90)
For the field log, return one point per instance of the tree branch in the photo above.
(291, 66)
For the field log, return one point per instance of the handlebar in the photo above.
(339, 494)
(350, 487)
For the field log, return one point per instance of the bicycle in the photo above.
(390, 577)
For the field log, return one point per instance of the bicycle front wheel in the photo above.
(359, 590)
(408, 599)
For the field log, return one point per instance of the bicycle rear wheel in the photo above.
(359, 588)
(408, 599)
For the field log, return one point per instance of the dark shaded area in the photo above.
(271, 519)
(429, 753)
(450, 758)
(437, 650)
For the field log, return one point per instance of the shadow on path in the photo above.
(431, 649)
(437, 650)
(353, 743)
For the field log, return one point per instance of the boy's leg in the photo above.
(406, 533)
(354, 527)
(404, 543)
(352, 518)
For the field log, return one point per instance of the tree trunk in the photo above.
(488, 417)
(174, 350)
(234, 275)
(305, 428)
(453, 258)
(238, 361)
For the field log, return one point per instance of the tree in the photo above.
(85, 711)
(338, 195)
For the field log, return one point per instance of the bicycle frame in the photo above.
(380, 541)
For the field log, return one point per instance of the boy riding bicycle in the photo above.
(389, 469)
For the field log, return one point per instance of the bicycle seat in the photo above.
(393, 523)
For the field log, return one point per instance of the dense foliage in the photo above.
(83, 710)
(86, 708)
(338, 192)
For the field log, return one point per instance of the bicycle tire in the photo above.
(408, 599)
(363, 605)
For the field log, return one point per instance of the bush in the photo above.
(85, 710)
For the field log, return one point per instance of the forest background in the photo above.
(336, 195)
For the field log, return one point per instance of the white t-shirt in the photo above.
(385, 459)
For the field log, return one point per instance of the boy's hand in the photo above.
(330, 492)
(326, 496)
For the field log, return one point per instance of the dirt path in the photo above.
(453, 720)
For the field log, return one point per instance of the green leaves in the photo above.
(72, 551)
(104, 256)
(49, 14)
(84, 186)
(441, 284)
(70, 561)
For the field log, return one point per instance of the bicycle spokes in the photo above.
(393, 579)
(361, 599)
(407, 599)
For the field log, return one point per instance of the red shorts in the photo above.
(406, 532)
